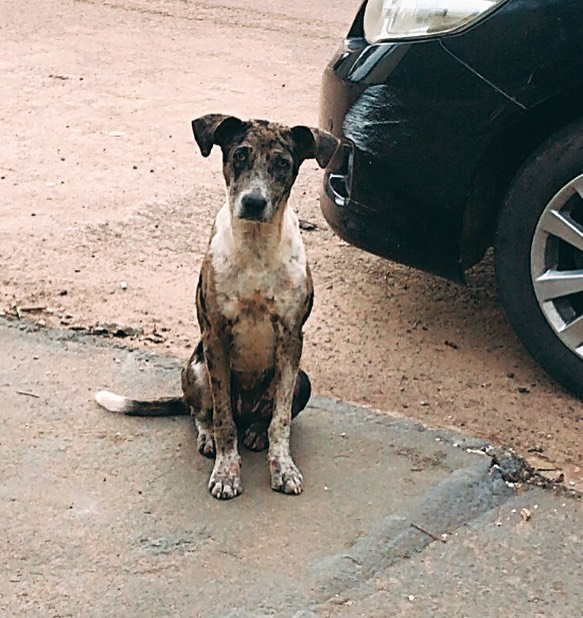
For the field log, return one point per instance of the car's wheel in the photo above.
(539, 256)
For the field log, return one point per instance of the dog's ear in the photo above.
(214, 129)
(315, 144)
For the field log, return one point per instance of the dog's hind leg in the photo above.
(255, 436)
(302, 393)
(205, 441)
(197, 394)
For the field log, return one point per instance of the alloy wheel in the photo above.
(557, 264)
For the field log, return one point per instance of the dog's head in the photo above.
(261, 160)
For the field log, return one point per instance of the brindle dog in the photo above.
(254, 295)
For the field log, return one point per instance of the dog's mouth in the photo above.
(254, 218)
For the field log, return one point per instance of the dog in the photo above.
(253, 297)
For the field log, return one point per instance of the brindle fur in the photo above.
(253, 297)
(251, 404)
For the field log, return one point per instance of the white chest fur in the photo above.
(259, 272)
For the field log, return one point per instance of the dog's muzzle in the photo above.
(253, 207)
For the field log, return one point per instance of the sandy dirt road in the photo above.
(100, 183)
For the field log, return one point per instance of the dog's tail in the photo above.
(168, 406)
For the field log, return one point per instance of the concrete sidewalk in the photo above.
(105, 515)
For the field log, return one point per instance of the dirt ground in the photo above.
(107, 206)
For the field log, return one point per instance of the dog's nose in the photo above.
(253, 207)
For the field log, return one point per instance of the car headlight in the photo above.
(404, 19)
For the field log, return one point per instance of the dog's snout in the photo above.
(253, 207)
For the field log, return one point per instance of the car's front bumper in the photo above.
(416, 122)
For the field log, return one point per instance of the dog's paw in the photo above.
(205, 443)
(285, 476)
(255, 437)
(225, 481)
(225, 487)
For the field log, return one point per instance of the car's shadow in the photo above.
(470, 319)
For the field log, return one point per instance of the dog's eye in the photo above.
(282, 164)
(240, 155)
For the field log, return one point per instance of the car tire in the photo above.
(538, 251)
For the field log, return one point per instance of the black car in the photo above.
(463, 129)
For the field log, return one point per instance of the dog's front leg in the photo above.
(285, 475)
(225, 481)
